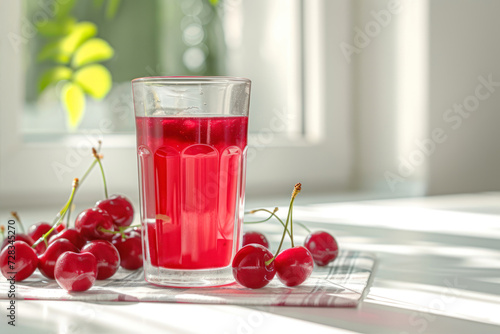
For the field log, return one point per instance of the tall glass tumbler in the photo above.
(191, 147)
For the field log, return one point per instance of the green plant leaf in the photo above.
(62, 49)
(94, 79)
(112, 8)
(54, 75)
(92, 51)
(53, 52)
(73, 100)
(56, 28)
(214, 2)
(79, 34)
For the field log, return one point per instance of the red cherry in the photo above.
(107, 256)
(36, 231)
(130, 250)
(40, 248)
(323, 247)
(120, 209)
(90, 223)
(294, 265)
(249, 266)
(76, 271)
(18, 261)
(19, 237)
(47, 261)
(253, 237)
(72, 235)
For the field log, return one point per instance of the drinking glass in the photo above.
(191, 148)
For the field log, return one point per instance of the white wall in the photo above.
(388, 93)
(374, 101)
(428, 58)
(464, 45)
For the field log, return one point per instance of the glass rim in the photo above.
(190, 80)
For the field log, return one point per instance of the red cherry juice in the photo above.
(192, 178)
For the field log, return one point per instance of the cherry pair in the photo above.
(293, 265)
(254, 266)
(74, 271)
(107, 256)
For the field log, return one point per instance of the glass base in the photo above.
(188, 278)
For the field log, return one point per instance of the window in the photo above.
(281, 45)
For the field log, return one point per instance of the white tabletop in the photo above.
(438, 272)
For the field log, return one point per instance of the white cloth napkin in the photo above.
(343, 283)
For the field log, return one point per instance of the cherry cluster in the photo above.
(254, 266)
(101, 241)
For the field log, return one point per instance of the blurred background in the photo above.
(355, 99)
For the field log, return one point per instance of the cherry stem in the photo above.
(2, 232)
(303, 226)
(60, 215)
(16, 217)
(98, 158)
(92, 164)
(70, 209)
(121, 229)
(261, 221)
(272, 214)
(290, 209)
(296, 191)
(100, 228)
(88, 171)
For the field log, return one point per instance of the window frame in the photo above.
(320, 159)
